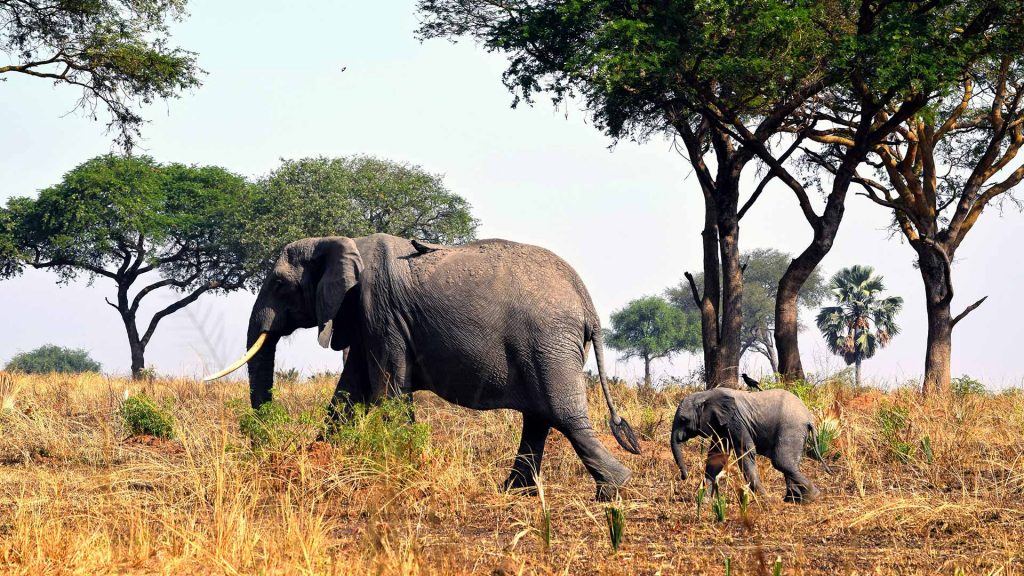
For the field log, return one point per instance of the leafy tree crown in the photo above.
(52, 358)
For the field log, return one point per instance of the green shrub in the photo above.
(383, 433)
(266, 426)
(894, 423)
(965, 385)
(141, 415)
(50, 358)
(827, 432)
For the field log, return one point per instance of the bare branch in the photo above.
(968, 310)
(693, 289)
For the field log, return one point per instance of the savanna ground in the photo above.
(919, 487)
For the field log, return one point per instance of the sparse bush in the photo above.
(265, 426)
(51, 358)
(965, 385)
(383, 433)
(141, 415)
(894, 426)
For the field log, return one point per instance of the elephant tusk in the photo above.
(241, 361)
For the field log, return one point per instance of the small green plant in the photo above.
(383, 433)
(728, 566)
(926, 449)
(141, 415)
(967, 386)
(777, 566)
(743, 494)
(265, 426)
(616, 520)
(719, 506)
(825, 438)
(701, 493)
(894, 423)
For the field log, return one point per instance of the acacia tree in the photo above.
(862, 321)
(116, 52)
(140, 224)
(903, 56)
(939, 172)
(650, 328)
(355, 196)
(727, 79)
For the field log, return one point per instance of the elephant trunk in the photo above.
(678, 438)
(261, 367)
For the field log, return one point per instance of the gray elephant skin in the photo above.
(771, 423)
(490, 324)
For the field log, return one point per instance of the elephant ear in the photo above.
(716, 412)
(342, 266)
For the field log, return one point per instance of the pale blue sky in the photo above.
(628, 219)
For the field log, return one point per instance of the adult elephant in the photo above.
(491, 324)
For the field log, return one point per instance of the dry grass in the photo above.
(76, 497)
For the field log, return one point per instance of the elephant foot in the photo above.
(606, 492)
(801, 495)
(608, 487)
(520, 483)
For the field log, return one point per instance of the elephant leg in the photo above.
(606, 470)
(747, 455)
(353, 388)
(531, 451)
(799, 488)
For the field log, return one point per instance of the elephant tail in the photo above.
(815, 452)
(621, 429)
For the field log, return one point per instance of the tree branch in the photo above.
(967, 311)
(171, 310)
(693, 289)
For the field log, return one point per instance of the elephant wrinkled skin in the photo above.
(490, 324)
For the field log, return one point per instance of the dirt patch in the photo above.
(161, 445)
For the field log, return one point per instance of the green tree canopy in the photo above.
(726, 79)
(51, 358)
(354, 196)
(862, 321)
(762, 270)
(116, 52)
(650, 328)
(139, 223)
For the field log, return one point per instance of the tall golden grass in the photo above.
(940, 490)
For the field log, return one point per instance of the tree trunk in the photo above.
(712, 294)
(787, 301)
(647, 372)
(728, 361)
(826, 227)
(138, 350)
(938, 296)
(857, 371)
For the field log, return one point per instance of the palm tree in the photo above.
(862, 321)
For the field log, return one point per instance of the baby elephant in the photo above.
(772, 423)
